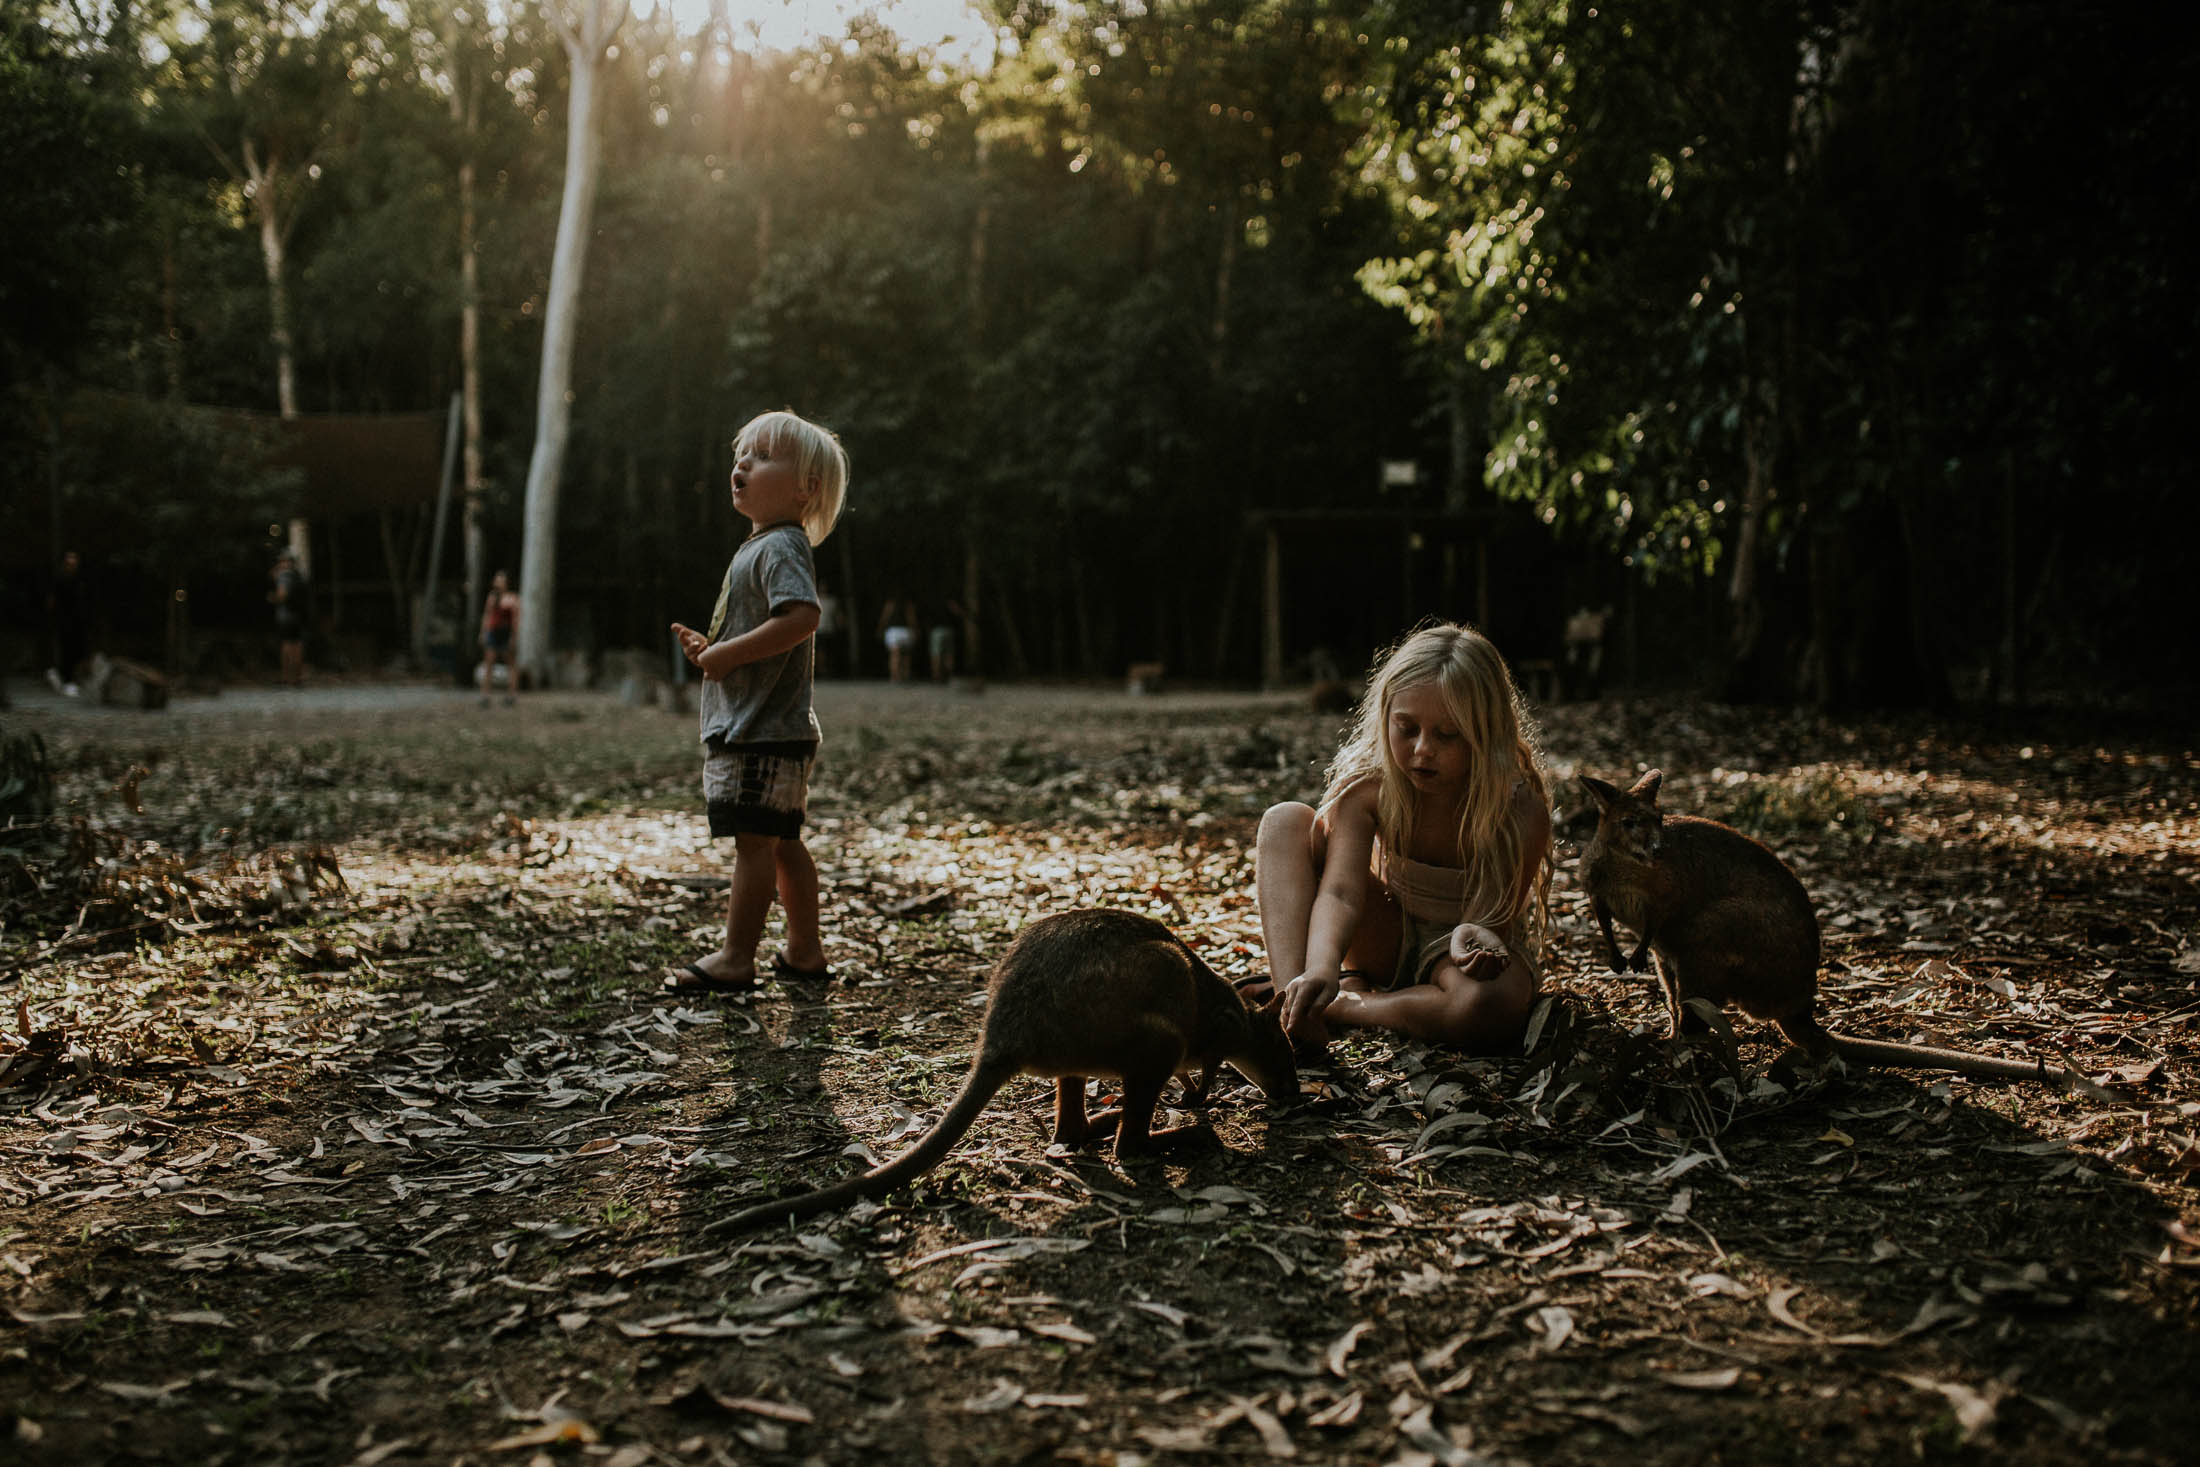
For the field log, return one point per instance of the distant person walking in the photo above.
(939, 643)
(499, 620)
(760, 732)
(1585, 651)
(897, 625)
(290, 596)
(70, 603)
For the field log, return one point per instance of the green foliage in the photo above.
(66, 146)
(1817, 803)
(1767, 283)
(1823, 300)
(178, 492)
(851, 323)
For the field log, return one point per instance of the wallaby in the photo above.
(1077, 994)
(1729, 922)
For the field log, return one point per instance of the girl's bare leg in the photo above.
(1290, 849)
(1482, 1016)
(797, 874)
(1287, 871)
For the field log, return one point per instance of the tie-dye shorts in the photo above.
(756, 789)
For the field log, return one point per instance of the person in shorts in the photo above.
(760, 733)
(499, 619)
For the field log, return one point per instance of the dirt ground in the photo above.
(342, 1120)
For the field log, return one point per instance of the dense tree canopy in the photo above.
(1855, 315)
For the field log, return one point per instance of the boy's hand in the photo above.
(692, 643)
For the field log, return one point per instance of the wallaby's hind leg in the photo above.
(1072, 1127)
(1811, 1048)
(1135, 1135)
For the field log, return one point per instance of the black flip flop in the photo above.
(690, 978)
(781, 968)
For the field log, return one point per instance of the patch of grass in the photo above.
(1820, 803)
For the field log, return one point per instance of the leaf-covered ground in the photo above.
(341, 1119)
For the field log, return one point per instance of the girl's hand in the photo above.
(1480, 953)
(692, 643)
(1304, 999)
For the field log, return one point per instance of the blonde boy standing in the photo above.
(760, 733)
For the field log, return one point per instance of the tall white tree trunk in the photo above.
(265, 184)
(265, 179)
(469, 355)
(587, 36)
(466, 111)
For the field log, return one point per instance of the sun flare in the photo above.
(952, 27)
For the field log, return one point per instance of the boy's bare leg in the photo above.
(797, 874)
(754, 873)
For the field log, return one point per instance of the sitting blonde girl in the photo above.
(1413, 898)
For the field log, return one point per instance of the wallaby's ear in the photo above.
(1646, 788)
(1599, 791)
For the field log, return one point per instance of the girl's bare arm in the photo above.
(1338, 903)
(1342, 895)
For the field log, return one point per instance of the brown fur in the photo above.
(1728, 922)
(1078, 994)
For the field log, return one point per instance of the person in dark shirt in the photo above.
(499, 620)
(288, 597)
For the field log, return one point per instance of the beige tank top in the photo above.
(1430, 893)
(1425, 893)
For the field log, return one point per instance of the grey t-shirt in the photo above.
(765, 702)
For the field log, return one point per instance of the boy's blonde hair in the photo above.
(819, 461)
(1479, 696)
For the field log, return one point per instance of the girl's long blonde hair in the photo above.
(1478, 693)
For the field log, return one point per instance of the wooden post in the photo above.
(1481, 581)
(451, 423)
(1405, 573)
(971, 664)
(179, 621)
(848, 603)
(1271, 627)
(2012, 661)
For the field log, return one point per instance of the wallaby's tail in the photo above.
(1809, 1033)
(985, 1080)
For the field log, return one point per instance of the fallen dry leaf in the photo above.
(1975, 1411)
(1340, 1349)
(569, 1429)
(1701, 1380)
